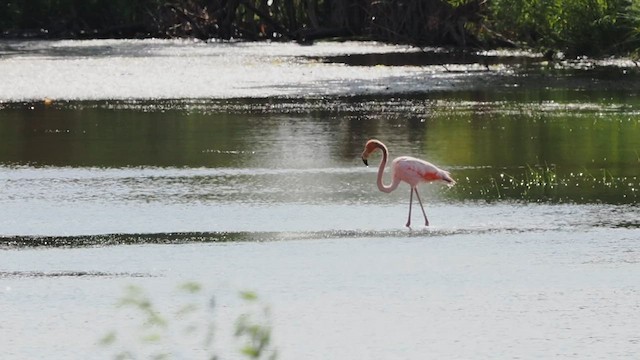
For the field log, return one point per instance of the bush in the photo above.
(576, 27)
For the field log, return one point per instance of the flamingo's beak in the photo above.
(365, 161)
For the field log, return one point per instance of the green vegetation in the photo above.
(544, 184)
(575, 27)
(188, 330)
(301, 20)
(251, 327)
(78, 18)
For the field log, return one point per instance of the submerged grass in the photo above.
(544, 183)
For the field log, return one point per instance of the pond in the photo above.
(237, 166)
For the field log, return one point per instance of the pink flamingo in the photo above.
(408, 169)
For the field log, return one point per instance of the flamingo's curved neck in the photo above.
(395, 181)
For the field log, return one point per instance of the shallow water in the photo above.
(239, 180)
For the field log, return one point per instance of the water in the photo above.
(152, 166)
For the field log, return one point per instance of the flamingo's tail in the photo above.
(446, 177)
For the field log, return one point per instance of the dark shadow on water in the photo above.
(26, 242)
(70, 274)
(424, 58)
(629, 224)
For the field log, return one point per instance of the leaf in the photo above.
(191, 287)
(108, 339)
(249, 295)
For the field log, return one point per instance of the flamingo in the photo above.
(408, 169)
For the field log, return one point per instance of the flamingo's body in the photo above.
(408, 169)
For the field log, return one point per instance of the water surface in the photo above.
(158, 163)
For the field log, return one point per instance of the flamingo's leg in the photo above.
(410, 202)
(426, 221)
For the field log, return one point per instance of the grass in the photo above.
(544, 183)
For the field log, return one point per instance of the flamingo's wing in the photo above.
(415, 171)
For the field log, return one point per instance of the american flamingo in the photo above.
(408, 169)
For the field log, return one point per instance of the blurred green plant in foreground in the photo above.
(187, 331)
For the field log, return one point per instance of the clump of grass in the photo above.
(544, 183)
(537, 182)
(542, 176)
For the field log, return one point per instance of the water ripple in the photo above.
(17, 242)
(73, 274)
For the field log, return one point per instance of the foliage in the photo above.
(576, 27)
(257, 335)
(300, 20)
(188, 331)
(77, 18)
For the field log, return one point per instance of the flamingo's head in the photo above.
(370, 147)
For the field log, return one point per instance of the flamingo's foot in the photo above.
(408, 224)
